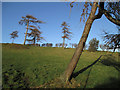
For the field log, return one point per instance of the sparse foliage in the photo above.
(35, 34)
(112, 40)
(27, 20)
(14, 34)
(66, 32)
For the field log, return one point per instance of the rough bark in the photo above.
(72, 65)
(26, 33)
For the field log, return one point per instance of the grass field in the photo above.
(28, 66)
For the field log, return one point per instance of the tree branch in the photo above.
(100, 12)
(110, 18)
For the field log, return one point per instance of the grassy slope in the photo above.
(41, 65)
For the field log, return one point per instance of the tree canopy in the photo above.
(93, 45)
(32, 24)
(66, 32)
(35, 34)
(29, 19)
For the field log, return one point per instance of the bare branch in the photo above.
(110, 18)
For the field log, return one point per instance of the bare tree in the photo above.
(91, 17)
(66, 32)
(14, 34)
(27, 20)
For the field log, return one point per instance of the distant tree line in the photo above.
(47, 45)
(42, 45)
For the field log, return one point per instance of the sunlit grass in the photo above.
(43, 64)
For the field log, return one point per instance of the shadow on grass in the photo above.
(110, 61)
(82, 70)
(113, 83)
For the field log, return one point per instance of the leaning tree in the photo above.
(66, 32)
(14, 34)
(27, 21)
(101, 8)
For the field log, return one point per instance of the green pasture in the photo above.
(29, 66)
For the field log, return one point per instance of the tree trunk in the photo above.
(13, 41)
(72, 65)
(26, 33)
(63, 43)
(34, 41)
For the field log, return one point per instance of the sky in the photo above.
(53, 13)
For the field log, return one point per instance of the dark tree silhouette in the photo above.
(49, 44)
(56, 44)
(91, 17)
(112, 40)
(14, 34)
(66, 32)
(43, 45)
(27, 20)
